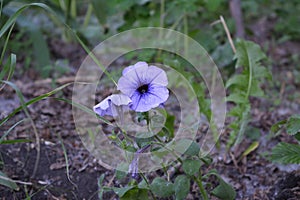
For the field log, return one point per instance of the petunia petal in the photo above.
(155, 75)
(131, 79)
(120, 99)
(159, 91)
(109, 105)
(154, 98)
(135, 105)
(126, 86)
(155, 80)
(103, 108)
(138, 64)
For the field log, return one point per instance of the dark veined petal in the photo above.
(131, 79)
(152, 99)
(155, 75)
(145, 86)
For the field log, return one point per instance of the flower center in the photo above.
(143, 89)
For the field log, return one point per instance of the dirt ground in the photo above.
(253, 177)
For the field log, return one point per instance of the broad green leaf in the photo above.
(256, 90)
(248, 53)
(122, 191)
(143, 185)
(121, 170)
(181, 187)
(262, 72)
(212, 6)
(193, 149)
(135, 193)
(237, 98)
(4, 180)
(41, 51)
(169, 125)
(297, 136)
(293, 125)
(224, 191)
(236, 111)
(191, 167)
(238, 80)
(253, 133)
(162, 188)
(286, 153)
(187, 147)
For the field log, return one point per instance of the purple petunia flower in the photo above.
(145, 85)
(109, 105)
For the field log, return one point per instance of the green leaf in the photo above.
(286, 153)
(4, 180)
(169, 125)
(13, 18)
(237, 98)
(251, 148)
(100, 182)
(41, 51)
(237, 80)
(182, 187)
(261, 72)
(248, 53)
(193, 149)
(135, 193)
(15, 141)
(276, 127)
(8, 68)
(293, 125)
(236, 111)
(212, 6)
(162, 188)
(297, 136)
(10, 129)
(187, 147)
(253, 133)
(256, 90)
(224, 191)
(122, 191)
(121, 170)
(191, 167)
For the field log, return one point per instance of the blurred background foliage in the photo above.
(96, 20)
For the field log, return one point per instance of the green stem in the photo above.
(73, 11)
(200, 185)
(88, 15)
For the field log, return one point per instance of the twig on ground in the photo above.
(228, 34)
